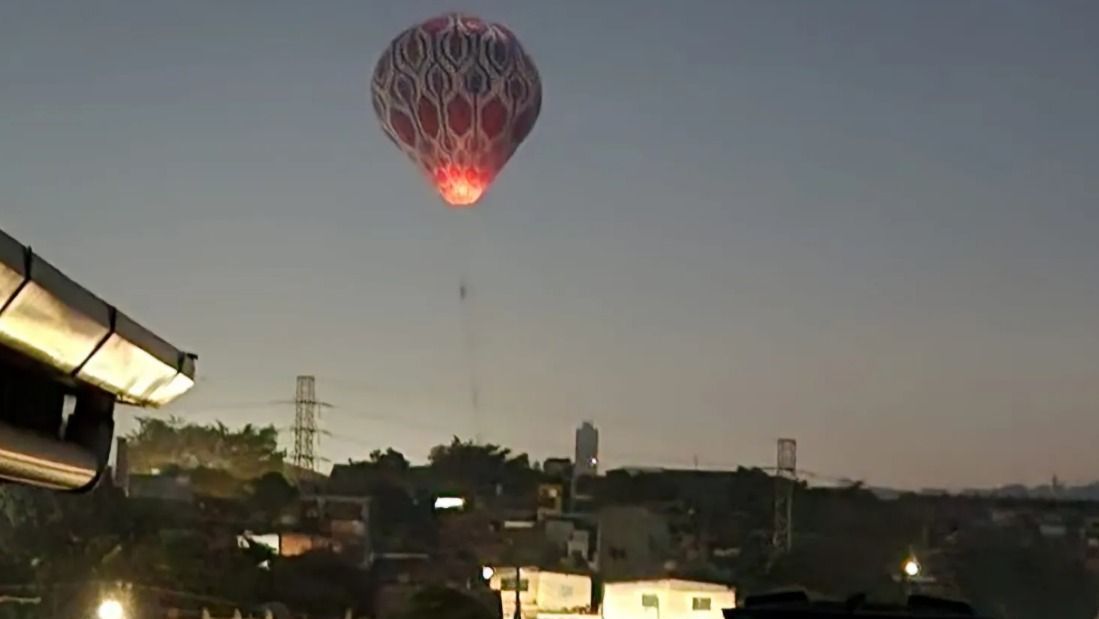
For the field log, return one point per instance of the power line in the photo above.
(645, 458)
(187, 412)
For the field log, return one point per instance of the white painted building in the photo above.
(666, 599)
(541, 592)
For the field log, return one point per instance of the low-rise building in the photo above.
(557, 468)
(337, 523)
(541, 592)
(161, 487)
(551, 500)
(634, 542)
(666, 599)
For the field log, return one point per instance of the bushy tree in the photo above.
(162, 445)
(446, 603)
(1005, 575)
(475, 466)
(271, 494)
(389, 460)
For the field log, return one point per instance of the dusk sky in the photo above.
(870, 226)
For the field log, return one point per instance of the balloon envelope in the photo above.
(457, 95)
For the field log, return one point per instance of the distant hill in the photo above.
(1085, 492)
(886, 494)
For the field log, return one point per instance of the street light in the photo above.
(518, 587)
(110, 608)
(910, 570)
(487, 573)
(912, 567)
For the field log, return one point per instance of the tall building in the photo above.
(587, 450)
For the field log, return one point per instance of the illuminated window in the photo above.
(700, 603)
(508, 584)
(650, 600)
(450, 502)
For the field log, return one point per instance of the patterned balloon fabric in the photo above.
(458, 95)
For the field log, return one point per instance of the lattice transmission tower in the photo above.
(785, 479)
(306, 437)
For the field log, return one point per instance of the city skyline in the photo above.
(869, 227)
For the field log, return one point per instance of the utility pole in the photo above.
(512, 552)
(518, 603)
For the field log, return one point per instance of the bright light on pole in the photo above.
(110, 609)
(487, 572)
(912, 568)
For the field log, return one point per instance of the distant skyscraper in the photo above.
(587, 450)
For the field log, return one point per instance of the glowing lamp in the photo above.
(110, 608)
(912, 568)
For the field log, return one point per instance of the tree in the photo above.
(162, 445)
(53, 541)
(1006, 575)
(319, 582)
(49, 541)
(389, 460)
(271, 494)
(398, 521)
(471, 463)
(445, 603)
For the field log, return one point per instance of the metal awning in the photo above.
(55, 321)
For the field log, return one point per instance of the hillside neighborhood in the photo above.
(233, 527)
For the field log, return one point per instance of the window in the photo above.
(649, 600)
(508, 584)
(566, 591)
(700, 603)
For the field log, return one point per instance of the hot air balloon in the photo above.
(457, 95)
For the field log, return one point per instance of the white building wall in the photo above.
(666, 599)
(546, 592)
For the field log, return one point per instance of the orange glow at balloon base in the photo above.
(461, 187)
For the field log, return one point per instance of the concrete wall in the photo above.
(634, 543)
(666, 599)
(545, 592)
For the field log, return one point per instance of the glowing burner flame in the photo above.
(461, 186)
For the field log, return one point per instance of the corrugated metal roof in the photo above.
(20, 268)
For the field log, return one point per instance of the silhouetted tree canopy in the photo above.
(390, 460)
(1004, 575)
(446, 603)
(477, 463)
(272, 493)
(161, 445)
